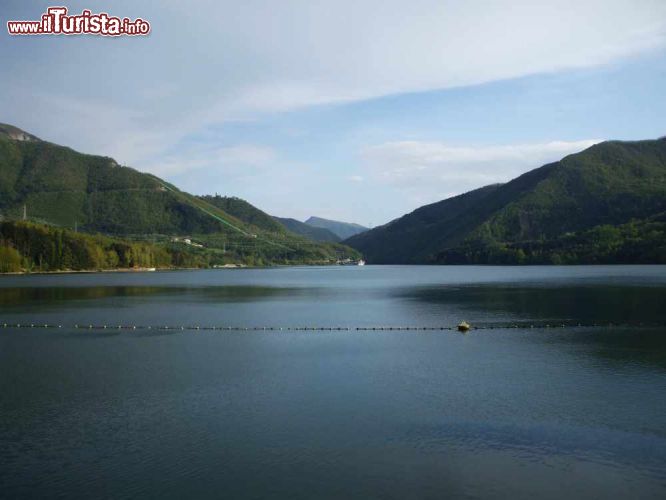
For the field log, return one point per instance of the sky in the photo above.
(353, 110)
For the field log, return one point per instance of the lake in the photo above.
(574, 411)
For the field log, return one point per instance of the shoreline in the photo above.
(94, 271)
(153, 269)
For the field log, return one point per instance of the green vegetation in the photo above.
(63, 187)
(10, 260)
(637, 242)
(245, 212)
(342, 230)
(26, 246)
(309, 232)
(412, 238)
(93, 194)
(260, 220)
(598, 206)
(284, 250)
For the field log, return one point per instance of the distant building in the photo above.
(187, 241)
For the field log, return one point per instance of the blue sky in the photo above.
(360, 111)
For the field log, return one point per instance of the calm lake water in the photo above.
(576, 412)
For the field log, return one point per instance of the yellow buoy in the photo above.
(464, 326)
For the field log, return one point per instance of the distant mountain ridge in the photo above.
(307, 231)
(62, 186)
(342, 230)
(246, 212)
(250, 214)
(413, 238)
(609, 184)
(58, 186)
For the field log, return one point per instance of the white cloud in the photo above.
(326, 52)
(260, 56)
(355, 178)
(431, 171)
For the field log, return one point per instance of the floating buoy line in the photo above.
(463, 327)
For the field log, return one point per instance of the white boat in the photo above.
(350, 262)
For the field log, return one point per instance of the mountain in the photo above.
(527, 219)
(413, 238)
(245, 212)
(310, 232)
(61, 186)
(58, 186)
(641, 241)
(250, 214)
(12, 132)
(342, 230)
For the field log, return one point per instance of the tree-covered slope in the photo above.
(26, 246)
(245, 212)
(59, 186)
(307, 231)
(250, 214)
(609, 184)
(637, 242)
(342, 230)
(414, 237)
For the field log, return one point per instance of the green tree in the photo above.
(10, 260)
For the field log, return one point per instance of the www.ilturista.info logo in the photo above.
(56, 22)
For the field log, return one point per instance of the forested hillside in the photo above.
(606, 186)
(26, 246)
(342, 230)
(307, 231)
(245, 212)
(54, 185)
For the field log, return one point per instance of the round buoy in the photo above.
(464, 326)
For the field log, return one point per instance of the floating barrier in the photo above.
(457, 327)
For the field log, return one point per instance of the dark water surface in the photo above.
(574, 412)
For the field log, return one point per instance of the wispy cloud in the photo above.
(245, 62)
(430, 171)
(202, 109)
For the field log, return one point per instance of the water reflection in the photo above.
(40, 297)
(598, 303)
(507, 413)
(591, 304)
